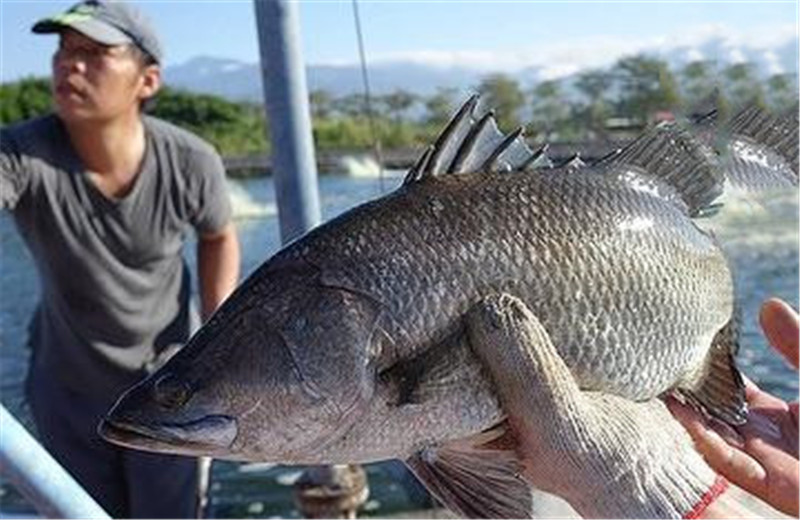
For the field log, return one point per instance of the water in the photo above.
(761, 239)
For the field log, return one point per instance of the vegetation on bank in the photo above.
(599, 104)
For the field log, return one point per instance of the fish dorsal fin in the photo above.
(538, 159)
(474, 478)
(610, 157)
(478, 145)
(451, 138)
(756, 132)
(415, 173)
(506, 156)
(574, 163)
(706, 111)
(672, 156)
(704, 118)
(470, 143)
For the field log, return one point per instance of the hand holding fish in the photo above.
(608, 456)
(765, 460)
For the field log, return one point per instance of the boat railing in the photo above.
(50, 489)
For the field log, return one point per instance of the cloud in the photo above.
(773, 63)
(566, 57)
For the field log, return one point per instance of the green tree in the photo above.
(742, 85)
(781, 91)
(595, 107)
(397, 103)
(24, 99)
(549, 107)
(440, 106)
(351, 105)
(697, 82)
(646, 85)
(321, 103)
(233, 128)
(503, 94)
(195, 110)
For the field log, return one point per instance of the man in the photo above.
(103, 197)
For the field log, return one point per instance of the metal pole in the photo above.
(286, 100)
(37, 475)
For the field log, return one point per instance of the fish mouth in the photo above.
(209, 435)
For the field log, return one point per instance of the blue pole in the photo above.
(37, 475)
(286, 100)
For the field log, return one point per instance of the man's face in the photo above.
(95, 82)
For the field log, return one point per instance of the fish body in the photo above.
(349, 345)
(629, 289)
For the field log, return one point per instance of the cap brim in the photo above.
(92, 28)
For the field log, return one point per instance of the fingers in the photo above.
(781, 325)
(759, 399)
(691, 418)
(758, 466)
(734, 464)
(779, 488)
(530, 377)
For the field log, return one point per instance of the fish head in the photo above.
(282, 369)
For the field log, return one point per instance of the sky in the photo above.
(488, 35)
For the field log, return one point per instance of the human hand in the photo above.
(764, 461)
(609, 457)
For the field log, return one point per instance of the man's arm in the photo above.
(218, 267)
(14, 179)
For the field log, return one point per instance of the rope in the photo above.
(373, 129)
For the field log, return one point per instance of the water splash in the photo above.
(245, 206)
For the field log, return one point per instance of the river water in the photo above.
(760, 236)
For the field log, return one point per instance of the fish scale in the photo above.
(500, 208)
(351, 344)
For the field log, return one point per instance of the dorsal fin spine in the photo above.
(534, 156)
(441, 146)
(489, 163)
(469, 140)
(415, 173)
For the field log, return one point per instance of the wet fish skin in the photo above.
(245, 365)
(314, 356)
(349, 345)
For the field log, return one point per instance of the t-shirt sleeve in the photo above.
(211, 203)
(14, 178)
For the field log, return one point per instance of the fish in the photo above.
(349, 345)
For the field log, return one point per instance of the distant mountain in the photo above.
(388, 77)
(224, 77)
(241, 81)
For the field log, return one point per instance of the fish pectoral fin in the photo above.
(475, 478)
(719, 388)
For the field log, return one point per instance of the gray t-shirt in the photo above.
(115, 287)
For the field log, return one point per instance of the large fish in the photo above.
(349, 344)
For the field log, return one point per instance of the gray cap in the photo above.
(109, 23)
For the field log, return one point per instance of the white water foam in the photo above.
(245, 206)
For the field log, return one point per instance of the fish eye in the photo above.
(171, 392)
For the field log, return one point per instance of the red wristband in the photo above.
(719, 487)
